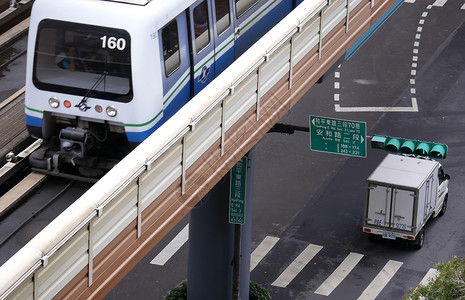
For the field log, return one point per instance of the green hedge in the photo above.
(448, 285)
(256, 292)
(178, 293)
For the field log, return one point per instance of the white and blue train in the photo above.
(104, 75)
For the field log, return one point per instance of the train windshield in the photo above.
(83, 60)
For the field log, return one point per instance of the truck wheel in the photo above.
(420, 240)
(444, 206)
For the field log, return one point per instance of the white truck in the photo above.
(403, 194)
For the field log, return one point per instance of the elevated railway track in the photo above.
(13, 12)
(13, 133)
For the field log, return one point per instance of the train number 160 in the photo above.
(113, 43)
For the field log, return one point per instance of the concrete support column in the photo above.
(211, 244)
(209, 274)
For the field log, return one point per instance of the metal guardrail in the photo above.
(150, 190)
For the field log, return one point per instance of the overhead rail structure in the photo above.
(92, 245)
(17, 11)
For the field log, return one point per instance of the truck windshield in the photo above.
(70, 58)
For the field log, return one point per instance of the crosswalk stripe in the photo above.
(326, 288)
(297, 265)
(380, 281)
(339, 274)
(180, 239)
(431, 275)
(259, 253)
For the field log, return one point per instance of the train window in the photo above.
(201, 26)
(244, 5)
(170, 42)
(83, 60)
(222, 15)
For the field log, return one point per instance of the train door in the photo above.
(174, 39)
(223, 30)
(202, 45)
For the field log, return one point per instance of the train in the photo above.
(102, 75)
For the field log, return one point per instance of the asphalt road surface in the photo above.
(406, 81)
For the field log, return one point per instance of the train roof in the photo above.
(136, 2)
(86, 11)
(145, 2)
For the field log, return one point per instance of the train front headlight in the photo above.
(54, 102)
(112, 111)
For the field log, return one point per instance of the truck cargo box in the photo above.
(403, 193)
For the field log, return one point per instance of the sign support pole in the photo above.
(246, 233)
(237, 261)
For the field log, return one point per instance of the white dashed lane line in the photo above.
(437, 3)
(413, 72)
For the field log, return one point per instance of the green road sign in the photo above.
(237, 194)
(338, 136)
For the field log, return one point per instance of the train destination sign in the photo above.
(338, 136)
